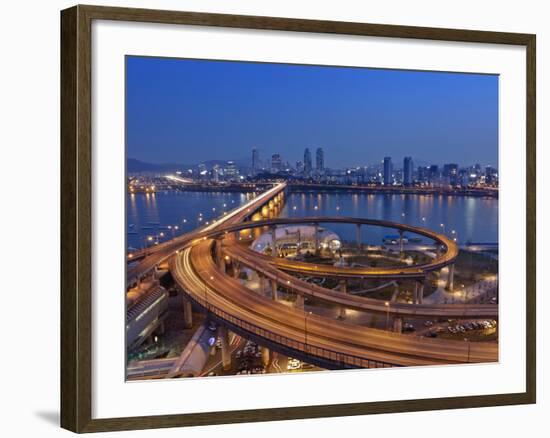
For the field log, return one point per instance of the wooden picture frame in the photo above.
(76, 175)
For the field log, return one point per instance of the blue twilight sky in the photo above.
(188, 111)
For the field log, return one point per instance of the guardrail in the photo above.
(340, 359)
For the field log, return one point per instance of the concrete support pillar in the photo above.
(160, 328)
(344, 289)
(274, 293)
(437, 249)
(400, 241)
(420, 295)
(415, 293)
(398, 324)
(299, 301)
(343, 285)
(187, 313)
(226, 353)
(235, 269)
(395, 292)
(358, 236)
(219, 255)
(273, 241)
(451, 277)
(265, 356)
(316, 238)
(262, 280)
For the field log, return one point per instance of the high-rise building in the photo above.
(423, 174)
(388, 170)
(230, 170)
(450, 173)
(203, 171)
(255, 161)
(276, 163)
(433, 174)
(320, 160)
(491, 175)
(215, 173)
(407, 171)
(307, 162)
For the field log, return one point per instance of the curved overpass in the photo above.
(416, 271)
(268, 267)
(321, 339)
(327, 342)
(164, 251)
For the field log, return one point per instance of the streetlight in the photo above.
(306, 315)
(387, 304)
(206, 290)
(468, 341)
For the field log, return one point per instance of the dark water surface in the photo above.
(472, 219)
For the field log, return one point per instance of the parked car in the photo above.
(293, 364)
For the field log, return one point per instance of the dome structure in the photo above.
(297, 239)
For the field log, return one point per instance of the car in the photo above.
(431, 334)
(428, 323)
(407, 327)
(293, 364)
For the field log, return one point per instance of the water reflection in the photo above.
(473, 219)
(152, 214)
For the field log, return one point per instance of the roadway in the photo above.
(162, 252)
(196, 271)
(415, 271)
(271, 268)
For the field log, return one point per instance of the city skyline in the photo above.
(179, 111)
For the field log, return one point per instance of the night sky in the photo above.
(188, 111)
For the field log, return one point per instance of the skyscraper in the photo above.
(231, 171)
(276, 163)
(307, 162)
(255, 161)
(450, 172)
(320, 160)
(407, 171)
(388, 169)
(433, 175)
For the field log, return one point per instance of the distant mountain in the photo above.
(137, 166)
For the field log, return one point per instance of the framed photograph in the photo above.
(270, 218)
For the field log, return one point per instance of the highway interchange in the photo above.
(194, 260)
